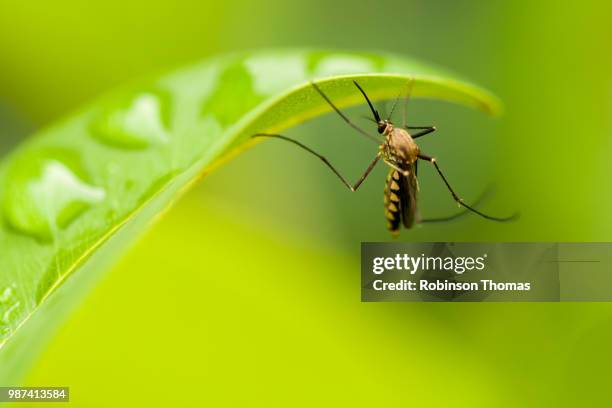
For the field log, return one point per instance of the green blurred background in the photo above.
(247, 292)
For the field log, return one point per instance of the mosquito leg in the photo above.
(459, 214)
(458, 199)
(393, 166)
(353, 187)
(342, 115)
(416, 175)
(405, 113)
(406, 99)
(383, 108)
(445, 219)
(392, 107)
(427, 130)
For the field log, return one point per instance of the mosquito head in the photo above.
(382, 126)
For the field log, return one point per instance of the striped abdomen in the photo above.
(400, 200)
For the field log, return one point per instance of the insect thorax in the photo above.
(399, 147)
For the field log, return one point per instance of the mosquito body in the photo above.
(401, 153)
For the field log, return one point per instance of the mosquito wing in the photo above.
(408, 197)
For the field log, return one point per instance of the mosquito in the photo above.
(400, 152)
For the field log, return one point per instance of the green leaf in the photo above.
(75, 195)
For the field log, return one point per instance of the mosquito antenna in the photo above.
(405, 112)
(374, 111)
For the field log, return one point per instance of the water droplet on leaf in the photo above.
(6, 294)
(343, 64)
(6, 316)
(44, 194)
(276, 72)
(135, 124)
(8, 307)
